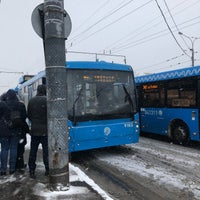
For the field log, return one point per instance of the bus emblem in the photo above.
(160, 112)
(107, 130)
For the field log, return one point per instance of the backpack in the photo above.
(4, 127)
(15, 119)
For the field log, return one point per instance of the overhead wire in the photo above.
(154, 25)
(179, 63)
(13, 72)
(155, 18)
(163, 62)
(125, 38)
(123, 46)
(91, 16)
(120, 18)
(170, 28)
(103, 18)
(178, 30)
(151, 37)
(156, 70)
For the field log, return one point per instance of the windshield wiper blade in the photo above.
(74, 105)
(128, 97)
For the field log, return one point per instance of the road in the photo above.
(149, 170)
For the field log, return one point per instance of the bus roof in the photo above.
(97, 65)
(173, 74)
(100, 65)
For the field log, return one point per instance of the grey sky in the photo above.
(134, 28)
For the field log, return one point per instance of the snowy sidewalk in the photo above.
(20, 186)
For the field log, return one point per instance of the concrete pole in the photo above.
(54, 46)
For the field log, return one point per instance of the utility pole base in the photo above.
(59, 179)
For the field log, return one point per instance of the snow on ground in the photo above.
(157, 173)
(41, 190)
(163, 175)
(75, 175)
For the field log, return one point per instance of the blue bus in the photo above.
(169, 104)
(101, 103)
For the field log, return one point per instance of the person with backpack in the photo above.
(37, 114)
(4, 133)
(17, 121)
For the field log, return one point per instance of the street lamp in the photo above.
(192, 40)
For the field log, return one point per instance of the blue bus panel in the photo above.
(158, 120)
(169, 75)
(105, 133)
(101, 102)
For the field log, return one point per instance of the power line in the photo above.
(7, 72)
(136, 32)
(162, 62)
(174, 22)
(150, 37)
(170, 28)
(177, 64)
(100, 20)
(164, 67)
(91, 16)
(106, 26)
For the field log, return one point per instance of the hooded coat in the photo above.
(37, 112)
(16, 106)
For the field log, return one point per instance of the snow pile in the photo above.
(41, 190)
(76, 174)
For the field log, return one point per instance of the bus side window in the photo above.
(152, 97)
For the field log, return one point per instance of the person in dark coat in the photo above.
(22, 142)
(37, 114)
(17, 119)
(4, 134)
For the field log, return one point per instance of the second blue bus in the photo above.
(170, 104)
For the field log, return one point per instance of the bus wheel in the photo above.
(180, 134)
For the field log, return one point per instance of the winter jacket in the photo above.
(37, 113)
(4, 119)
(16, 106)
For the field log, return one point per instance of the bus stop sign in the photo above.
(37, 20)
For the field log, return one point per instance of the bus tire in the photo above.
(180, 134)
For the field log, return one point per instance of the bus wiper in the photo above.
(74, 106)
(128, 97)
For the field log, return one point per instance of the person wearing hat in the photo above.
(16, 125)
(37, 114)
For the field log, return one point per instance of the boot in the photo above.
(32, 174)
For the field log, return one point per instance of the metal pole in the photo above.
(194, 39)
(54, 45)
(192, 53)
(97, 54)
(192, 42)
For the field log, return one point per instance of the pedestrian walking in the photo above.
(4, 134)
(17, 123)
(37, 114)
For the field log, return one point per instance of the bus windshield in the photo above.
(100, 94)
